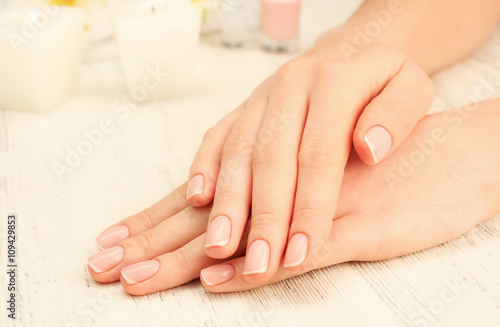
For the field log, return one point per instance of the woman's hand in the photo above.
(384, 211)
(283, 152)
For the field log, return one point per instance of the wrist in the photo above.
(420, 29)
(375, 23)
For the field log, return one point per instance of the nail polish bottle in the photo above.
(238, 20)
(280, 25)
(233, 27)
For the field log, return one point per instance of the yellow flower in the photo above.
(62, 2)
(203, 6)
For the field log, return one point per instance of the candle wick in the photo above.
(153, 8)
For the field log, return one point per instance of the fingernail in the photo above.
(106, 259)
(141, 271)
(195, 185)
(379, 142)
(218, 274)
(218, 232)
(296, 251)
(112, 237)
(257, 258)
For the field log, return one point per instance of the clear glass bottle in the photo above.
(239, 18)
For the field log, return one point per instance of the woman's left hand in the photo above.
(382, 212)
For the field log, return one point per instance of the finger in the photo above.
(347, 238)
(205, 167)
(391, 116)
(341, 95)
(144, 220)
(167, 236)
(170, 269)
(274, 168)
(234, 186)
(325, 147)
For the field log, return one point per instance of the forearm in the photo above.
(435, 33)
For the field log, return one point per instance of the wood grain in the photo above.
(148, 155)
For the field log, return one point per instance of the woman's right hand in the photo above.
(284, 151)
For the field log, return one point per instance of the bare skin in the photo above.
(382, 211)
(284, 150)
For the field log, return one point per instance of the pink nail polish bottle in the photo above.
(280, 25)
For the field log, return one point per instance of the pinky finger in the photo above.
(205, 167)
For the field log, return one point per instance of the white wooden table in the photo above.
(149, 153)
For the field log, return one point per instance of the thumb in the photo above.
(391, 116)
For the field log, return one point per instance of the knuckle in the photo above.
(266, 142)
(229, 169)
(145, 219)
(259, 159)
(179, 260)
(333, 71)
(280, 101)
(400, 114)
(329, 67)
(267, 163)
(264, 221)
(290, 69)
(237, 144)
(305, 213)
(225, 195)
(145, 243)
(265, 154)
(315, 154)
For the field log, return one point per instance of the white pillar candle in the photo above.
(40, 56)
(157, 42)
(4, 3)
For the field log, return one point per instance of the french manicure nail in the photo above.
(217, 274)
(379, 142)
(257, 259)
(112, 237)
(106, 259)
(219, 232)
(140, 271)
(195, 185)
(296, 251)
